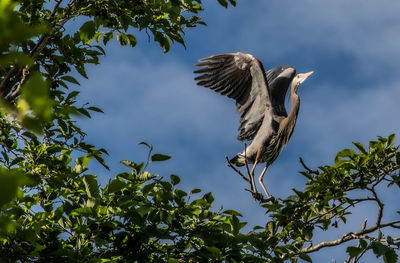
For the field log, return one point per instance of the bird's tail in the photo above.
(238, 160)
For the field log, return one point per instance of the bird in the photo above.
(260, 99)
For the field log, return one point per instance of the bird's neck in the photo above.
(295, 105)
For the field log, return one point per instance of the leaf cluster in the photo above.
(326, 202)
(64, 215)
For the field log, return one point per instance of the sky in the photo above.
(352, 46)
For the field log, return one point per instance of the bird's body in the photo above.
(260, 98)
(282, 126)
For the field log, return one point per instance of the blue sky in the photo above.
(353, 47)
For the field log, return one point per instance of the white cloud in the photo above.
(272, 30)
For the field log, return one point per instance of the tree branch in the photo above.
(347, 237)
(236, 170)
(307, 168)
(256, 195)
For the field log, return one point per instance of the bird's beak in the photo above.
(308, 74)
(304, 76)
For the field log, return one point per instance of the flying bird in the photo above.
(260, 99)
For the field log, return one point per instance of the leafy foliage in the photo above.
(326, 202)
(136, 216)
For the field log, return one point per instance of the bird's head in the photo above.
(300, 78)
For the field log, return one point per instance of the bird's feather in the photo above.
(240, 77)
(279, 79)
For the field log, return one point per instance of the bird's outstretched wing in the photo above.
(241, 77)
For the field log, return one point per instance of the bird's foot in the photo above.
(260, 197)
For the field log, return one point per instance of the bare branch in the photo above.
(236, 170)
(380, 204)
(347, 237)
(307, 168)
(258, 196)
(25, 73)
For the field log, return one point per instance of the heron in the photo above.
(260, 99)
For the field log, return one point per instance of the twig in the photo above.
(236, 170)
(25, 73)
(256, 195)
(355, 259)
(307, 168)
(380, 204)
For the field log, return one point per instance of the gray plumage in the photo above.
(260, 99)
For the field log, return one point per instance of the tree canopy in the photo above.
(52, 208)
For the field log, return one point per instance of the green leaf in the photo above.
(95, 109)
(233, 2)
(84, 112)
(91, 185)
(143, 210)
(81, 70)
(159, 157)
(360, 147)
(195, 191)
(346, 153)
(9, 183)
(72, 95)
(107, 37)
(136, 168)
(123, 39)
(115, 186)
(354, 251)
(379, 249)
(363, 243)
(87, 32)
(390, 256)
(70, 79)
(83, 211)
(215, 252)
(305, 257)
(81, 163)
(175, 179)
(232, 212)
(35, 97)
(209, 197)
(131, 40)
(391, 139)
(224, 3)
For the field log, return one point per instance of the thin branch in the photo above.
(258, 196)
(347, 237)
(236, 170)
(380, 204)
(25, 73)
(307, 168)
(357, 258)
(58, 2)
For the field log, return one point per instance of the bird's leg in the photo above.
(251, 175)
(260, 179)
